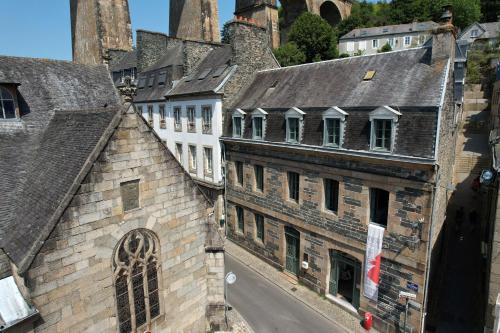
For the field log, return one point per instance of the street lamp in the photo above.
(229, 279)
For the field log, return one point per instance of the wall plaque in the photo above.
(130, 195)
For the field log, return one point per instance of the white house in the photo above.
(189, 121)
(480, 31)
(364, 41)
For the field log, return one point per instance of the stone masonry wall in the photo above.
(71, 279)
(151, 47)
(405, 239)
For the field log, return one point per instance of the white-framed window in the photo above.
(7, 105)
(258, 124)
(150, 115)
(362, 45)
(208, 161)
(191, 119)
(350, 47)
(238, 123)
(383, 126)
(192, 158)
(391, 42)
(294, 123)
(178, 151)
(177, 118)
(163, 123)
(206, 117)
(375, 43)
(474, 33)
(407, 41)
(334, 124)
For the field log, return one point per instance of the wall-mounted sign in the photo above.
(412, 286)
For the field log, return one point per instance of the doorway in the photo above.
(345, 277)
(292, 238)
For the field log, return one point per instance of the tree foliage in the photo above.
(314, 37)
(289, 55)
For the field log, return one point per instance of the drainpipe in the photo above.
(225, 187)
(429, 252)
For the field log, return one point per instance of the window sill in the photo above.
(325, 212)
(209, 132)
(192, 130)
(178, 130)
(380, 150)
(378, 225)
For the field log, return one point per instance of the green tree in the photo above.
(314, 37)
(490, 10)
(385, 48)
(289, 55)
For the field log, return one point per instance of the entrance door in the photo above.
(345, 277)
(292, 237)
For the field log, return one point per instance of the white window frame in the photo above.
(179, 152)
(261, 114)
(294, 113)
(350, 47)
(239, 113)
(151, 111)
(362, 45)
(384, 113)
(191, 125)
(405, 38)
(208, 171)
(192, 160)
(474, 33)
(177, 125)
(206, 123)
(334, 113)
(392, 42)
(375, 43)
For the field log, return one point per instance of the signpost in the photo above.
(407, 296)
(229, 279)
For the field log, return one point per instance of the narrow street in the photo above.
(267, 308)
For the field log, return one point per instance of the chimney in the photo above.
(443, 37)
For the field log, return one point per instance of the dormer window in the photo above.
(294, 120)
(383, 127)
(258, 124)
(7, 105)
(334, 124)
(238, 116)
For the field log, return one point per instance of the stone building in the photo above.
(399, 37)
(98, 26)
(317, 153)
(101, 229)
(194, 20)
(184, 93)
(265, 14)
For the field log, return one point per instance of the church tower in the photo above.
(97, 26)
(194, 20)
(264, 13)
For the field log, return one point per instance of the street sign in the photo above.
(412, 286)
(230, 278)
(404, 294)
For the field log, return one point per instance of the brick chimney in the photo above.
(443, 39)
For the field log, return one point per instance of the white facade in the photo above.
(201, 139)
(372, 45)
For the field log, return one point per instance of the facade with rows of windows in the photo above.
(318, 152)
(365, 41)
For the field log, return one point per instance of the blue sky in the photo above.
(42, 29)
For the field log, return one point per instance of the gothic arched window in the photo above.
(135, 266)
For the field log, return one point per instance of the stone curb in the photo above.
(228, 251)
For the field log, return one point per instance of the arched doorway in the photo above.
(330, 13)
(345, 277)
(292, 250)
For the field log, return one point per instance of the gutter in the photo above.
(345, 152)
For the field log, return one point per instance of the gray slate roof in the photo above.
(65, 110)
(403, 78)
(206, 78)
(127, 61)
(491, 29)
(390, 30)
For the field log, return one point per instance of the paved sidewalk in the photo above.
(310, 298)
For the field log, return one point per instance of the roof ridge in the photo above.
(345, 59)
(47, 60)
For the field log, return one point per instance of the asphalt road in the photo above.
(268, 309)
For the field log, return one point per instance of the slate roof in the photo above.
(127, 61)
(208, 76)
(172, 64)
(403, 78)
(491, 29)
(66, 109)
(390, 30)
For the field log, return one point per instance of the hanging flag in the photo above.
(372, 260)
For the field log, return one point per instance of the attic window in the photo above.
(162, 78)
(151, 80)
(204, 74)
(369, 75)
(7, 106)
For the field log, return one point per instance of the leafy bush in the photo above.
(289, 55)
(385, 48)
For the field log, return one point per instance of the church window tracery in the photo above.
(135, 269)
